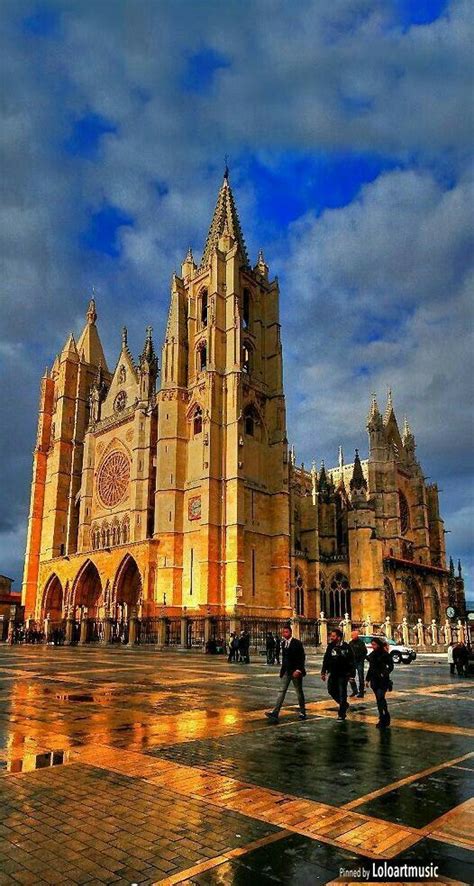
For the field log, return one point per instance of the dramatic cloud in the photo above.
(348, 128)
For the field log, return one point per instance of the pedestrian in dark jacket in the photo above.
(244, 647)
(292, 671)
(339, 667)
(461, 658)
(378, 677)
(270, 648)
(359, 650)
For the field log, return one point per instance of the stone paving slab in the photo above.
(126, 766)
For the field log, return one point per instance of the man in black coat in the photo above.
(292, 671)
(339, 663)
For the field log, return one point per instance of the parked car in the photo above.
(398, 653)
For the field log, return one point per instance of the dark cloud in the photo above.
(98, 117)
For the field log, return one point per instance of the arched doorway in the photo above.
(128, 583)
(414, 600)
(53, 599)
(88, 589)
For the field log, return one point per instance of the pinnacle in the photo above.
(389, 406)
(91, 314)
(406, 429)
(224, 220)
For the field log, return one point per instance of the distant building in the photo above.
(189, 500)
(8, 599)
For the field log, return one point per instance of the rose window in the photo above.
(113, 480)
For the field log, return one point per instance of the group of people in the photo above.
(239, 647)
(343, 666)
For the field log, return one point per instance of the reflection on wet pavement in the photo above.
(133, 766)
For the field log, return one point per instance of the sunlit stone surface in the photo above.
(131, 766)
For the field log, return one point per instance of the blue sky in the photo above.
(348, 126)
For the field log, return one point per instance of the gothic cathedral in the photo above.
(187, 498)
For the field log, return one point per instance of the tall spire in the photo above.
(91, 313)
(358, 481)
(389, 407)
(224, 220)
(89, 345)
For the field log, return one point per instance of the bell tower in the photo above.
(221, 508)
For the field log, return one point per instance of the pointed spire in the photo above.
(374, 409)
(70, 349)
(124, 337)
(406, 430)
(89, 345)
(358, 481)
(323, 480)
(148, 367)
(389, 407)
(451, 566)
(459, 569)
(261, 267)
(224, 220)
(91, 315)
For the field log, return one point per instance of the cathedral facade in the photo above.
(184, 497)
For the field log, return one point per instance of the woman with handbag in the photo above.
(378, 678)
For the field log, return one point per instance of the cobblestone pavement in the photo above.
(133, 766)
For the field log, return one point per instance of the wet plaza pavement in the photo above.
(130, 766)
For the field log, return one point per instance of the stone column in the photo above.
(405, 631)
(296, 626)
(84, 627)
(161, 638)
(107, 630)
(420, 633)
(69, 630)
(132, 630)
(388, 628)
(47, 629)
(323, 630)
(448, 632)
(184, 633)
(346, 627)
(207, 631)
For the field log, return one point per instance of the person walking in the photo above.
(461, 658)
(292, 671)
(244, 646)
(450, 658)
(359, 650)
(378, 677)
(338, 667)
(277, 648)
(270, 648)
(233, 647)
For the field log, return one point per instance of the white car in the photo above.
(398, 653)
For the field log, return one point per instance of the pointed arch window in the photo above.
(339, 596)
(197, 421)
(202, 356)
(203, 308)
(252, 423)
(299, 593)
(246, 309)
(404, 512)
